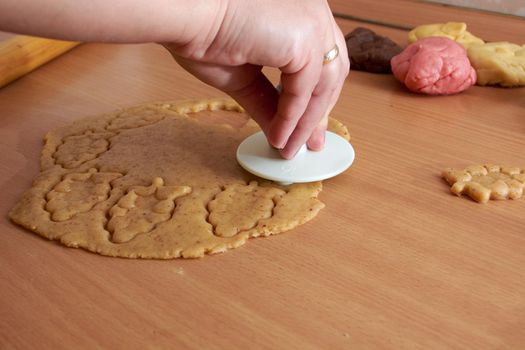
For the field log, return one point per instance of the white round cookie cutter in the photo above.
(256, 156)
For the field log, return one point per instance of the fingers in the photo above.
(246, 84)
(308, 96)
(316, 140)
(316, 110)
(259, 98)
(297, 88)
(311, 126)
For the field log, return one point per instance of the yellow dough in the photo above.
(159, 181)
(453, 30)
(499, 63)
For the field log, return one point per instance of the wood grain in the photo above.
(393, 262)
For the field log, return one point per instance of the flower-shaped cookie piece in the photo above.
(240, 207)
(456, 31)
(482, 183)
(135, 118)
(499, 63)
(142, 209)
(78, 149)
(78, 193)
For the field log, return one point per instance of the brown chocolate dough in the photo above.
(370, 52)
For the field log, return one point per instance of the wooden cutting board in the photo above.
(394, 261)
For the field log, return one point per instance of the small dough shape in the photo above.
(78, 149)
(135, 118)
(499, 63)
(456, 31)
(482, 183)
(142, 208)
(370, 52)
(434, 66)
(78, 193)
(252, 202)
(159, 181)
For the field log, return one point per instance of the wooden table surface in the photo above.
(393, 261)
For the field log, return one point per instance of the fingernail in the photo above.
(278, 146)
(288, 155)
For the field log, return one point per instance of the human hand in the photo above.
(290, 35)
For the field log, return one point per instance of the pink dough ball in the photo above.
(434, 66)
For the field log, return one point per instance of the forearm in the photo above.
(118, 21)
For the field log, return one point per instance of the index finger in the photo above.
(297, 88)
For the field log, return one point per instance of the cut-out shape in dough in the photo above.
(78, 193)
(482, 183)
(76, 150)
(240, 207)
(135, 118)
(143, 208)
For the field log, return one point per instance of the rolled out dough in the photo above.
(158, 181)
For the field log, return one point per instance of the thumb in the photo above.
(246, 84)
(259, 98)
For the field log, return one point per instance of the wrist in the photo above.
(198, 28)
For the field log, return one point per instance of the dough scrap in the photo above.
(499, 63)
(482, 183)
(370, 52)
(159, 181)
(434, 66)
(456, 31)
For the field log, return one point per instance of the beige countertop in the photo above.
(393, 261)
